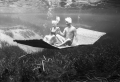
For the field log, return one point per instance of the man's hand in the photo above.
(63, 33)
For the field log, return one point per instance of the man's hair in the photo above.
(68, 19)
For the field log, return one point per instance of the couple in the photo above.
(58, 38)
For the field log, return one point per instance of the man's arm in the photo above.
(75, 32)
(62, 33)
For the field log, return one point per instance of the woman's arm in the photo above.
(51, 29)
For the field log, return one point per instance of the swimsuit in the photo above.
(53, 33)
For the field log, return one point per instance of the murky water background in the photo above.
(106, 20)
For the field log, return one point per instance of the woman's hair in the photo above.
(54, 22)
(58, 19)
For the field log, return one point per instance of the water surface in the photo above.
(105, 20)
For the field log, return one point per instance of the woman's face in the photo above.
(54, 25)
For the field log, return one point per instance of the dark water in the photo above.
(106, 20)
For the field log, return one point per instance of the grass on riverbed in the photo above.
(83, 63)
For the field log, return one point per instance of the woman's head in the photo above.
(54, 23)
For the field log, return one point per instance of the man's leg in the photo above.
(67, 42)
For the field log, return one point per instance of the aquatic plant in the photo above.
(82, 63)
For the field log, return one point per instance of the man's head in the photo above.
(68, 21)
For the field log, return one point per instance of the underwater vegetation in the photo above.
(98, 62)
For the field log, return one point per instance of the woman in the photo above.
(55, 31)
(54, 38)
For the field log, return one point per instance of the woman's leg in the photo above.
(60, 39)
(53, 40)
(46, 39)
(50, 39)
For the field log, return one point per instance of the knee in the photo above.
(45, 38)
(69, 42)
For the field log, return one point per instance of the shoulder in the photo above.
(57, 27)
(73, 28)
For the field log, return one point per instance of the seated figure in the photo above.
(69, 33)
(65, 38)
(54, 38)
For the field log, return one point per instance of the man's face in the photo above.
(68, 24)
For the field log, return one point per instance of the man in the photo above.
(69, 33)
